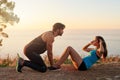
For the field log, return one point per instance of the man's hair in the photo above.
(58, 26)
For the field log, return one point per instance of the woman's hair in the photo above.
(104, 45)
(58, 26)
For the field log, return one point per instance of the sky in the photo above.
(75, 14)
(37, 16)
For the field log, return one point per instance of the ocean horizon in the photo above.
(75, 38)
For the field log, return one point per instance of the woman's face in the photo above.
(95, 42)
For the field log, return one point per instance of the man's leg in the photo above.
(36, 62)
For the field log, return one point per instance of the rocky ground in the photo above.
(110, 71)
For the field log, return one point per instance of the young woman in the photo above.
(84, 64)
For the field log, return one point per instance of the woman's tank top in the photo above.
(91, 59)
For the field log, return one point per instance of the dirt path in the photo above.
(97, 72)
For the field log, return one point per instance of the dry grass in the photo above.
(8, 62)
(111, 59)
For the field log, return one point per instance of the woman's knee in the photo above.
(69, 48)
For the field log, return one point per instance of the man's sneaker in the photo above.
(54, 68)
(19, 64)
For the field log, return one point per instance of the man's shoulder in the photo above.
(48, 33)
(48, 36)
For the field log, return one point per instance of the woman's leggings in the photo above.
(36, 62)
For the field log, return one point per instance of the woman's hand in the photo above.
(101, 41)
(92, 42)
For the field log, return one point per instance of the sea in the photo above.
(76, 38)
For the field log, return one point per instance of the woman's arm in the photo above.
(101, 49)
(85, 48)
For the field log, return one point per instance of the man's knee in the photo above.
(42, 69)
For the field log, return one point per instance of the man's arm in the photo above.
(48, 37)
(49, 47)
(49, 53)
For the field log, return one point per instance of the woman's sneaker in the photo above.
(19, 64)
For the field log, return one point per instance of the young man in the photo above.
(39, 45)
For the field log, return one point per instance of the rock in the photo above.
(117, 77)
(103, 78)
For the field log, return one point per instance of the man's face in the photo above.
(60, 32)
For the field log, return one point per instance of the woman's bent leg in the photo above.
(76, 59)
